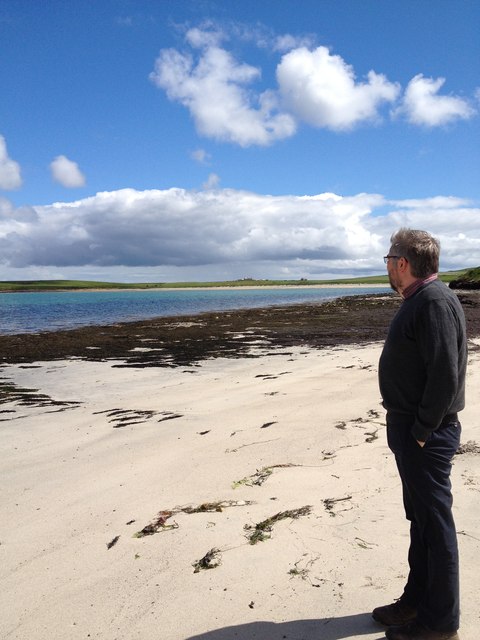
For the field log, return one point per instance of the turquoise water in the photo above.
(47, 311)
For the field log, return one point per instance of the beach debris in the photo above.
(250, 444)
(372, 416)
(113, 542)
(365, 545)
(127, 417)
(271, 376)
(251, 604)
(130, 522)
(160, 522)
(216, 506)
(262, 530)
(469, 447)
(329, 504)
(203, 433)
(372, 436)
(267, 424)
(259, 477)
(169, 415)
(359, 420)
(328, 454)
(469, 535)
(26, 397)
(303, 572)
(210, 560)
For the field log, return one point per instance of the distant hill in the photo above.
(76, 285)
(470, 279)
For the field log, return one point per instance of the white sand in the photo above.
(71, 483)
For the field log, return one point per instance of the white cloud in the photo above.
(286, 42)
(423, 106)
(260, 35)
(212, 182)
(313, 86)
(320, 88)
(10, 176)
(437, 202)
(213, 87)
(205, 36)
(67, 172)
(229, 232)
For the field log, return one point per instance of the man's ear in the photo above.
(402, 264)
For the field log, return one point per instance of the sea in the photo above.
(34, 312)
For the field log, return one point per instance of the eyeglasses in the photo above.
(387, 258)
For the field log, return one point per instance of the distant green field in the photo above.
(75, 285)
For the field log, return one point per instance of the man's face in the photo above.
(392, 270)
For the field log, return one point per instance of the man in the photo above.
(422, 382)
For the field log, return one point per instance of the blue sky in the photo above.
(212, 139)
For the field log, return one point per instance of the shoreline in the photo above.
(186, 339)
(201, 288)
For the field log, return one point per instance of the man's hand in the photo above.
(422, 444)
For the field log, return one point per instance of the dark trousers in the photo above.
(433, 581)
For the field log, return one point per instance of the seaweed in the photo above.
(113, 542)
(259, 477)
(160, 522)
(372, 436)
(262, 530)
(23, 396)
(267, 424)
(216, 506)
(469, 447)
(210, 560)
(330, 503)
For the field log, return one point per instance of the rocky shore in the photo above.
(183, 340)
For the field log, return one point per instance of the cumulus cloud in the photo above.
(313, 86)
(422, 104)
(321, 89)
(215, 229)
(213, 86)
(67, 172)
(10, 176)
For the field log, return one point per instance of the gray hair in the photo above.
(420, 249)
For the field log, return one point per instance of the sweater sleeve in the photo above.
(437, 335)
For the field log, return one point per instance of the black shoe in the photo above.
(397, 613)
(416, 631)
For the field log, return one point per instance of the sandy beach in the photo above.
(210, 497)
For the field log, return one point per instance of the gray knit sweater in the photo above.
(423, 363)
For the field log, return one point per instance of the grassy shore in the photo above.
(75, 285)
